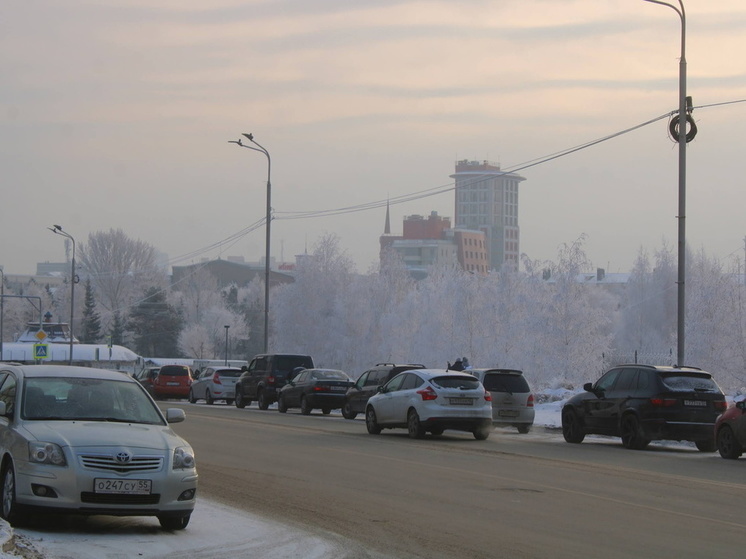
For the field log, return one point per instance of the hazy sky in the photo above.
(118, 113)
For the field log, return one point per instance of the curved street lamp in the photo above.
(682, 140)
(261, 149)
(57, 230)
(226, 344)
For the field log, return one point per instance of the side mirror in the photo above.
(381, 389)
(741, 405)
(175, 415)
(588, 387)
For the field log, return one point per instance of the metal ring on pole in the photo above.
(673, 128)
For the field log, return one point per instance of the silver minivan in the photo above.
(512, 399)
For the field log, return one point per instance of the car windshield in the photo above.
(66, 399)
(464, 383)
(498, 382)
(334, 375)
(689, 382)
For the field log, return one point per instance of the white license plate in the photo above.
(461, 401)
(339, 389)
(122, 486)
(172, 384)
(696, 403)
(507, 413)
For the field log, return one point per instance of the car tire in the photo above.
(229, 401)
(240, 402)
(305, 406)
(631, 432)
(708, 445)
(572, 427)
(371, 422)
(208, 398)
(437, 431)
(523, 429)
(326, 411)
(262, 401)
(192, 399)
(281, 406)
(482, 433)
(9, 509)
(414, 425)
(174, 522)
(347, 412)
(727, 443)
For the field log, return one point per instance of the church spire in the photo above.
(387, 226)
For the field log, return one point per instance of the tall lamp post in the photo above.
(680, 133)
(57, 230)
(226, 344)
(261, 149)
(2, 309)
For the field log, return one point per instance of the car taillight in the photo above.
(488, 396)
(663, 402)
(216, 379)
(721, 405)
(270, 380)
(530, 401)
(320, 388)
(428, 394)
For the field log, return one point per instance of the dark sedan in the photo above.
(314, 388)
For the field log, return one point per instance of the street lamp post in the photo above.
(261, 149)
(2, 309)
(57, 230)
(226, 344)
(683, 138)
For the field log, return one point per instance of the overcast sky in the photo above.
(118, 114)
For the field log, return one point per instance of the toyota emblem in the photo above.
(123, 457)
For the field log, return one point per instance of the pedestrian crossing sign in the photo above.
(41, 351)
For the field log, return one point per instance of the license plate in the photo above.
(461, 401)
(507, 413)
(172, 384)
(696, 403)
(339, 389)
(122, 486)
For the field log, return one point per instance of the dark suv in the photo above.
(640, 403)
(266, 374)
(367, 385)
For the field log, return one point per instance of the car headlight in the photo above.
(183, 458)
(46, 453)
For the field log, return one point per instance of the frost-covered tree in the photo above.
(91, 330)
(156, 325)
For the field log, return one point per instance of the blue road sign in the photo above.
(41, 351)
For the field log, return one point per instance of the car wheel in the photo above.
(174, 522)
(708, 445)
(414, 426)
(727, 444)
(208, 398)
(192, 399)
(262, 401)
(371, 422)
(347, 412)
(437, 431)
(631, 432)
(8, 489)
(482, 433)
(281, 406)
(305, 406)
(326, 411)
(229, 401)
(572, 427)
(240, 402)
(523, 429)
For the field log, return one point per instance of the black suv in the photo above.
(367, 385)
(640, 403)
(266, 374)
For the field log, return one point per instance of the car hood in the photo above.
(82, 434)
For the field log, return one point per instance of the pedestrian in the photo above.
(458, 365)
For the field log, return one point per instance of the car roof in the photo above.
(432, 373)
(66, 371)
(502, 371)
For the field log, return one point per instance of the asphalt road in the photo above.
(518, 496)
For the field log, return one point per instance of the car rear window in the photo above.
(335, 375)
(174, 371)
(497, 382)
(465, 383)
(229, 372)
(690, 382)
(284, 365)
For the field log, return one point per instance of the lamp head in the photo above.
(57, 227)
(250, 137)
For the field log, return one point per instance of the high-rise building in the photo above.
(487, 200)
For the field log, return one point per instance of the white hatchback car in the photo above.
(89, 441)
(215, 383)
(431, 400)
